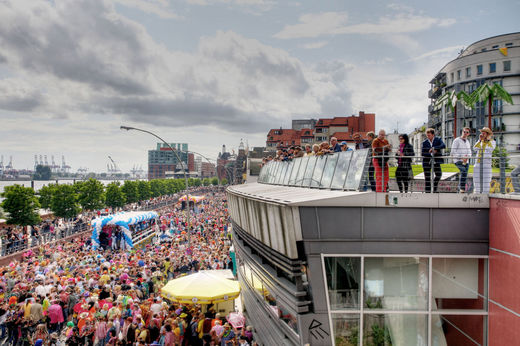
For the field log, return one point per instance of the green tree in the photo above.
(498, 153)
(206, 182)
(92, 195)
(143, 188)
(21, 204)
(46, 193)
(224, 181)
(77, 186)
(64, 202)
(42, 173)
(157, 188)
(451, 98)
(486, 94)
(115, 198)
(130, 190)
(214, 181)
(197, 182)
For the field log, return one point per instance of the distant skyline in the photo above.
(210, 72)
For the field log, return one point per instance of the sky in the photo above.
(214, 72)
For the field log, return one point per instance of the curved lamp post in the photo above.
(128, 128)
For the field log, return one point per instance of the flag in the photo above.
(503, 51)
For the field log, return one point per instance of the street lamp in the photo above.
(128, 128)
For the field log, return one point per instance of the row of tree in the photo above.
(22, 204)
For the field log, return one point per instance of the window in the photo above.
(452, 77)
(507, 65)
(458, 75)
(479, 70)
(492, 67)
(484, 49)
(468, 72)
(509, 44)
(495, 46)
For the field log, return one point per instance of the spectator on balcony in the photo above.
(344, 146)
(381, 148)
(324, 149)
(432, 158)
(315, 149)
(404, 173)
(461, 152)
(298, 152)
(482, 169)
(334, 145)
(308, 150)
(371, 136)
(359, 144)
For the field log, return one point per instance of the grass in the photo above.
(446, 167)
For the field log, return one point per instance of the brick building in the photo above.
(342, 128)
(162, 162)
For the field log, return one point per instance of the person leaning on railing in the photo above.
(482, 169)
(432, 158)
(461, 152)
(380, 149)
(404, 154)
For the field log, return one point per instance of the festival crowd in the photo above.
(66, 293)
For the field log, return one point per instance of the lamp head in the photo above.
(128, 128)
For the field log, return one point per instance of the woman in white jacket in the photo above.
(482, 169)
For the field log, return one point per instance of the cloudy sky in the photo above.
(210, 72)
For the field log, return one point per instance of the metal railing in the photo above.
(360, 171)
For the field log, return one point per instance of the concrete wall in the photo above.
(504, 271)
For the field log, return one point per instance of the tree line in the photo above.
(22, 204)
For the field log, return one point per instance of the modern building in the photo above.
(323, 263)
(491, 60)
(162, 162)
(300, 124)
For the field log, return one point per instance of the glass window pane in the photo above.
(318, 170)
(358, 165)
(288, 173)
(346, 329)
(341, 169)
(456, 330)
(343, 278)
(396, 283)
(309, 170)
(395, 329)
(330, 166)
(294, 173)
(301, 171)
(459, 283)
(279, 310)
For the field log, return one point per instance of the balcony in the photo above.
(435, 92)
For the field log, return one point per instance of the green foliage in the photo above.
(500, 152)
(46, 193)
(144, 191)
(157, 186)
(380, 336)
(64, 201)
(77, 186)
(197, 182)
(214, 181)
(92, 195)
(115, 198)
(42, 173)
(21, 204)
(224, 181)
(206, 181)
(130, 189)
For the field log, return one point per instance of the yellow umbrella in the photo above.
(201, 288)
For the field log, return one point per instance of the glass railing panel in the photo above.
(318, 170)
(281, 173)
(356, 169)
(294, 173)
(338, 180)
(288, 173)
(309, 170)
(272, 174)
(301, 171)
(328, 171)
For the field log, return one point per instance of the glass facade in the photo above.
(343, 171)
(407, 300)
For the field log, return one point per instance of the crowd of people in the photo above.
(378, 173)
(66, 293)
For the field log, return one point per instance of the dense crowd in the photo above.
(68, 294)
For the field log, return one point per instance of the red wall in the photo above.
(504, 272)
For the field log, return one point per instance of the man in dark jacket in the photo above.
(432, 158)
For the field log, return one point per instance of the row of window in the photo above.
(492, 68)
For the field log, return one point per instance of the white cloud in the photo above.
(315, 45)
(335, 23)
(160, 8)
(259, 5)
(446, 52)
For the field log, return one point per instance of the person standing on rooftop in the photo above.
(461, 152)
(482, 169)
(432, 158)
(380, 148)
